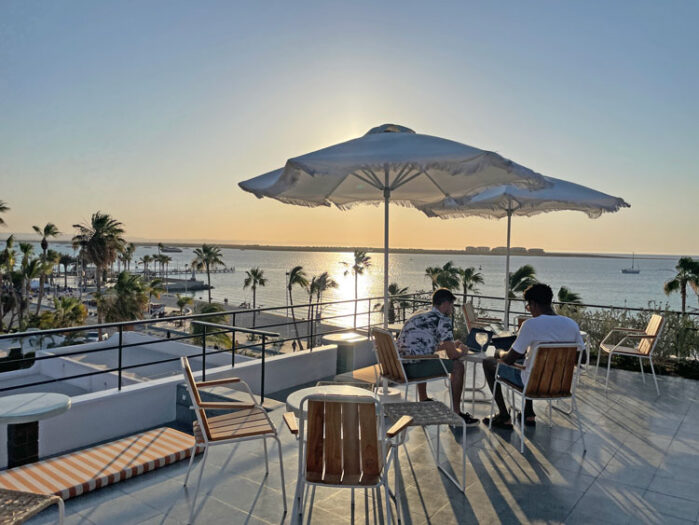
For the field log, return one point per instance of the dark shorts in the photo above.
(511, 374)
(427, 368)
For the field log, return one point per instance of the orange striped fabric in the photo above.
(80, 472)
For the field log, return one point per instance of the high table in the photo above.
(22, 413)
(346, 342)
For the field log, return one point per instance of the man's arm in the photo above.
(510, 357)
(454, 349)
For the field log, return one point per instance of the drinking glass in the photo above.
(482, 340)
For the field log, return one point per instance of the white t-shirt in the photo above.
(545, 329)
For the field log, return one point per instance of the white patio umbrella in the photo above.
(390, 163)
(507, 200)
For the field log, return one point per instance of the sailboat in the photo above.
(634, 268)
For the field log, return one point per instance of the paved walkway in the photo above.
(642, 466)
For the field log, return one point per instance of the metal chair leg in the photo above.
(550, 415)
(281, 470)
(599, 354)
(191, 461)
(609, 364)
(574, 406)
(492, 402)
(521, 424)
(264, 442)
(61, 511)
(643, 376)
(652, 369)
(196, 490)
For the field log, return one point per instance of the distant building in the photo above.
(480, 250)
(535, 251)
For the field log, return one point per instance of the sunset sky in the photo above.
(154, 111)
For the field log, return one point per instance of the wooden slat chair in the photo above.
(248, 421)
(473, 321)
(551, 378)
(344, 446)
(642, 344)
(391, 364)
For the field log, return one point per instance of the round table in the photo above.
(22, 413)
(293, 402)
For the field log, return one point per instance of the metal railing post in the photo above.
(262, 371)
(368, 326)
(233, 350)
(121, 335)
(203, 355)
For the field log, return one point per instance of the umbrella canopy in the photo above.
(508, 200)
(390, 163)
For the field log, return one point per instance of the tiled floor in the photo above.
(641, 466)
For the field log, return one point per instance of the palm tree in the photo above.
(165, 260)
(520, 280)
(68, 311)
(7, 265)
(145, 261)
(207, 257)
(567, 296)
(361, 263)
(197, 329)
(470, 277)
(432, 273)
(297, 277)
(27, 251)
(127, 254)
(4, 208)
(687, 274)
(34, 269)
(254, 277)
(448, 276)
(48, 231)
(182, 301)
(395, 294)
(65, 261)
(101, 240)
(126, 301)
(323, 283)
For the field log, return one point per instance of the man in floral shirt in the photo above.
(425, 333)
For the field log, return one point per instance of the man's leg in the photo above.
(457, 384)
(422, 391)
(490, 365)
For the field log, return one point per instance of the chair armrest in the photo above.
(216, 382)
(225, 405)
(640, 336)
(513, 365)
(291, 422)
(399, 426)
(418, 357)
(622, 329)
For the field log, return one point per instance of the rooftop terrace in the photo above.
(642, 466)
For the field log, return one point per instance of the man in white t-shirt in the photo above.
(545, 326)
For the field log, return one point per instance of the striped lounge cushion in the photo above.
(93, 468)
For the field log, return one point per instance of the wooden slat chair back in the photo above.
(521, 319)
(551, 377)
(388, 356)
(469, 315)
(343, 447)
(655, 324)
(196, 399)
(552, 372)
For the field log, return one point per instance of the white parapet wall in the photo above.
(101, 416)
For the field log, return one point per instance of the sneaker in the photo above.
(470, 421)
(499, 421)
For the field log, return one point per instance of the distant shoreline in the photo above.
(415, 251)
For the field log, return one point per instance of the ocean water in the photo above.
(597, 279)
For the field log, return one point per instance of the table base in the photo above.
(22, 444)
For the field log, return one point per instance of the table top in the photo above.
(473, 356)
(293, 402)
(25, 408)
(345, 337)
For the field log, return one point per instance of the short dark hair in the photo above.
(442, 295)
(539, 293)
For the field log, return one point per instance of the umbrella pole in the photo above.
(386, 198)
(506, 321)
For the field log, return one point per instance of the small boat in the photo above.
(171, 249)
(634, 268)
